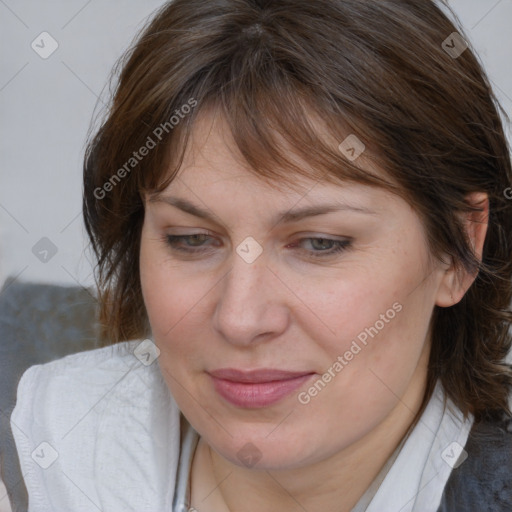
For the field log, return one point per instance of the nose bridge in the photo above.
(248, 305)
(244, 287)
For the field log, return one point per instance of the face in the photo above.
(297, 334)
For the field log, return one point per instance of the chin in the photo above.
(259, 447)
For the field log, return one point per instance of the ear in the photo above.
(455, 284)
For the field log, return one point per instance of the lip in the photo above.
(256, 388)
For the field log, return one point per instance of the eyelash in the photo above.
(340, 245)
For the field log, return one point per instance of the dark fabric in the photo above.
(483, 482)
(38, 323)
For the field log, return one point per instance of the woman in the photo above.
(304, 273)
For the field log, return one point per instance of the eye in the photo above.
(321, 247)
(324, 247)
(188, 243)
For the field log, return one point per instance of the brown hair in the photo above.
(379, 70)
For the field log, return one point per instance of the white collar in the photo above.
(416, 480)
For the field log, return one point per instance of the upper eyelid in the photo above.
(305, 236)
(189, 231)
(339, 240)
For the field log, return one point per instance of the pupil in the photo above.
(321, 243)
(196, 238)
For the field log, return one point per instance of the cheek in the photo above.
(352, 306)
(168, 295)
(377, 330)
(376, 363)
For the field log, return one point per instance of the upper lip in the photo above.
(255, 376)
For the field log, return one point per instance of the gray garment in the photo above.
(483, 483)
(189, 440)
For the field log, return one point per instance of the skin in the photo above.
(289, 310)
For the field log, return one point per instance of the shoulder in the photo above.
(483, 482)
(75, 379)
(97, 359)
(91, 426)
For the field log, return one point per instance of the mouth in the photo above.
(256, 388)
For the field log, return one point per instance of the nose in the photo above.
(252, 303)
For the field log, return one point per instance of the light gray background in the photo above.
(46, 107)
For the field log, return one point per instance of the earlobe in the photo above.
(456, 282)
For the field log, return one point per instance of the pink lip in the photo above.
(256, 388)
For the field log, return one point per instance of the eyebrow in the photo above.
(285, 217)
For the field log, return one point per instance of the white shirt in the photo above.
(99, 430)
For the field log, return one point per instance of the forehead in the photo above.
(215, 177)
(212, 155)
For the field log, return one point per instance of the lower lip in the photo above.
(255, 395)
